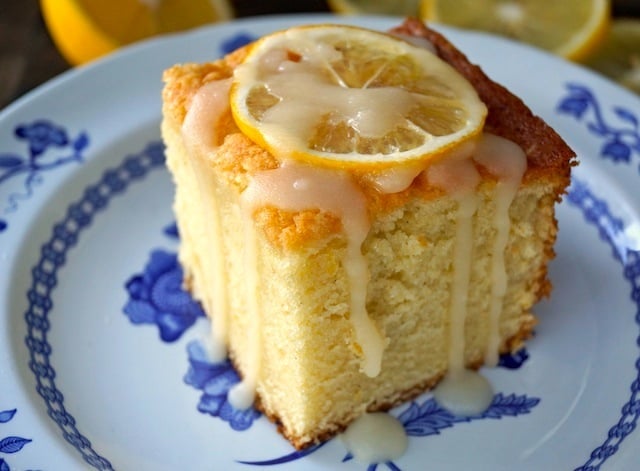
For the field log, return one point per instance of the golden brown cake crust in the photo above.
(184, 80)
(339, 428)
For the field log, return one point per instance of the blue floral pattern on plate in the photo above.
(620, 144)
(156, 297)
(597, 212)
(215, 380)
(64, 237)
(424, 419)
(620, 141)
(41, 137)
(10, 444)
(236, 41)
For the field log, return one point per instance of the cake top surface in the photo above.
(238, 155)
(507, 115)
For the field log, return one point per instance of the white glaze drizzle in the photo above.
(207, 106)
(199, 132)
(460, 178)
(418, 41)
(465, 392)
(462, 392)
(375, 438)
(506, 161)
(462, 262)
(296, 187)
(242, 395)
(395, 180)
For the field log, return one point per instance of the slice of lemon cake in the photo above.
(361, 214)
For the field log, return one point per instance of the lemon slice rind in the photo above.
(452, 94)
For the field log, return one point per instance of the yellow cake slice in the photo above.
(322, 325)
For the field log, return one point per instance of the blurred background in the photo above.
(29, 56)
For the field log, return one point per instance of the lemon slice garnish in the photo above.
(341, 96)
(86, 29)
(569, 28)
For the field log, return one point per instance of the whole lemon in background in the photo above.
(84, 30)
(619, 55)
(579, 30)
(380, 7)
(568, 28)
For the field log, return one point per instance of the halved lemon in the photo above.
(619, 56)
(86, 29)
(342, 96)
(376, 7)
(569, 28)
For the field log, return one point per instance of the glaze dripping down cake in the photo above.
(341, 288)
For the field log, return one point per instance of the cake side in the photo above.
(307, 336)
(306, 296)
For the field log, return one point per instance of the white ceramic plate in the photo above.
(86, 248)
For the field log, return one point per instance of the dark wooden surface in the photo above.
(28, 57)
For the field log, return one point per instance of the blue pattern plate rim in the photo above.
(97, 373)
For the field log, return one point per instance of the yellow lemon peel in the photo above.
(341, 96)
